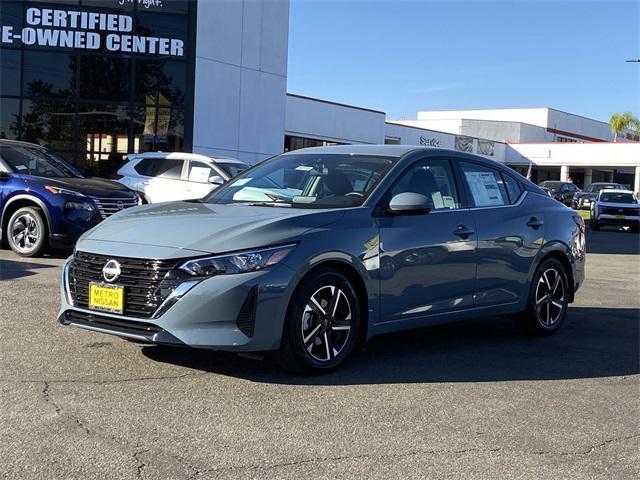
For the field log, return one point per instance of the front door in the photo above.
(427, 262)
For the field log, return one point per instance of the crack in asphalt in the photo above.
(413, 453)
(103, 382)
(141, 464)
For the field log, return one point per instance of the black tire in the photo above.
(31, 220)
(594, 224)
(544, 316)
(302, 350)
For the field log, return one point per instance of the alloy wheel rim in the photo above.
(550, 297)
(326, 323)
(25, 233)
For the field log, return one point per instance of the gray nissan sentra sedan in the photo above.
(313, 251)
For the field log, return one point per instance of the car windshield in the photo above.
(595, 187)
(232, 169)
(618, 197)
(306, 181)
(39, 162)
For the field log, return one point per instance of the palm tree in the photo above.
(620, 122)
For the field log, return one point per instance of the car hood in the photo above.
(95, 187)
(208, 228)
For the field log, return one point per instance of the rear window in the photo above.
(618, 198)
(145, 167)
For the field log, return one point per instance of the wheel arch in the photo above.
(19, 201)
(352, 274)
(560, 252)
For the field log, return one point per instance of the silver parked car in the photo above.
(312, 251)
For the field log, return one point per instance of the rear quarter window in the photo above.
(145, 167)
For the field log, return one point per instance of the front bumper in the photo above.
(243, 312)
(612, 220)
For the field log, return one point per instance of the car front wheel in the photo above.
(322, 323)
(27, 232)
(548, 299)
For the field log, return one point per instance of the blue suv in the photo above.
(45, 202)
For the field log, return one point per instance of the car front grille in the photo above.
(146, 282)
(109, 206)
(619, 211)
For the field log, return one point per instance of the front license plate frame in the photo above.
(106, 298)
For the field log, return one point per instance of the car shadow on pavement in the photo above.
(621, 242)
(594, 342)
(13, 269)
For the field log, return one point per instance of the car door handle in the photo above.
(463, 231)
(146, 183)
(535, 223)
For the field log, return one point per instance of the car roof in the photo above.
(604, 183)
(184, 156)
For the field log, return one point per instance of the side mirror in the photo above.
(409, 203)
(4, 176)
(216, 180)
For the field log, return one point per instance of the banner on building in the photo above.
(464, 143)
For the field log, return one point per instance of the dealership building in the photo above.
(97, 79)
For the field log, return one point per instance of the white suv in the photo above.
(165, 177)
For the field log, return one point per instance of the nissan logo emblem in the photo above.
(120, 205)
(111, 271)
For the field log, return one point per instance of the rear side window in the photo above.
(145, 167)
(513, 187)
(168, 168)
(485, 184)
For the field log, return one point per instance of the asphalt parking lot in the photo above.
(471, 400)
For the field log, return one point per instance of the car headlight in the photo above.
(238, 262)
(79, 206)
(63, 191)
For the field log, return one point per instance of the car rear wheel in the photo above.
(322, 323)
(548, 299)
(27, 232)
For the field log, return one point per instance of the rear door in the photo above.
(510, 229)
(166, 181)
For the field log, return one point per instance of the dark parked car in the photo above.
(313, 251)
(583, 200)
(561, 191)
(44, 201)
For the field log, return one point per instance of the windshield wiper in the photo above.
(269, 204)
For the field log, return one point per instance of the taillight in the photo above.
(579, 221)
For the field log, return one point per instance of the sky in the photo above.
(402, 56)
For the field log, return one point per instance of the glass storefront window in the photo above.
(49, 123)
(10, 72)
(162, 81)
(95, 106)
(9, 115)
(98, 76)
(49, 74)
(104, 129)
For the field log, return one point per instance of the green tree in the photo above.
(620, 122)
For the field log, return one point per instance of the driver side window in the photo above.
(433, 179)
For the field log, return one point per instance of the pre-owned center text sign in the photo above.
(47, 27)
